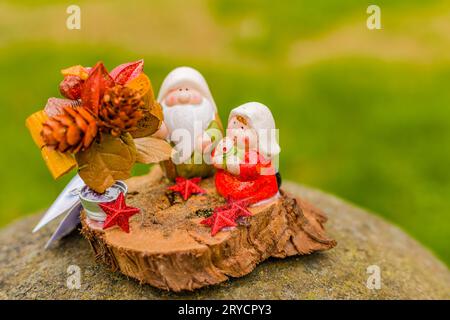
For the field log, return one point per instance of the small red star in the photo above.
(118, 213)
(235, 209)
(226, 215)
(218, 221)
(187, 187)
(240, 207)
(210, 220)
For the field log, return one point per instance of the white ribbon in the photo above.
(68, 202)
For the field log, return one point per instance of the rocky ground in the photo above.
(408, 271)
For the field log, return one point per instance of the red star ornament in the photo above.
(221, 221)
(226, 215)
(187, 187)
(118, 213)
(210, 220)
(234, 209)
(240, 207)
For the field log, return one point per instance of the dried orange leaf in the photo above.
(94, 87)
(152, 150)
(150, 122)
(153, 114)
(106, 161)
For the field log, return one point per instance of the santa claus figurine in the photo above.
(247, 157)
(191, 123)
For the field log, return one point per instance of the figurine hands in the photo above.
(224, 156)
(203, 143)
(219, 153)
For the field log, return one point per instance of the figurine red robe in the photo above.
(250, 184)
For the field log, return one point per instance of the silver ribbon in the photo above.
(68, 203)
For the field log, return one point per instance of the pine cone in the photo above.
(72, 131)
(120, 110)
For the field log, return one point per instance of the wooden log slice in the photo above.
(168, 248)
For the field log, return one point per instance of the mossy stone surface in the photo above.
(408, 271)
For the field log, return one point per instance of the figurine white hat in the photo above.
(183, 76)
(260, 118)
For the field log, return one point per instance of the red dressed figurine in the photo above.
(246, 158)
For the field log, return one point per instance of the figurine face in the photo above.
(243, 135)
(187, 114)
(238, 122)
(183, 95)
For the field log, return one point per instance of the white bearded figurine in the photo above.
(191, 123)
(247, 157)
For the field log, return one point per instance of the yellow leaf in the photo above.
(153, 114)
(77, 70)
(34, 125)
(142, 85)
(58, 163)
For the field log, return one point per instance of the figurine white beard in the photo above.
(184, 123)
(190, 122)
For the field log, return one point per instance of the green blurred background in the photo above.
(362, 114)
